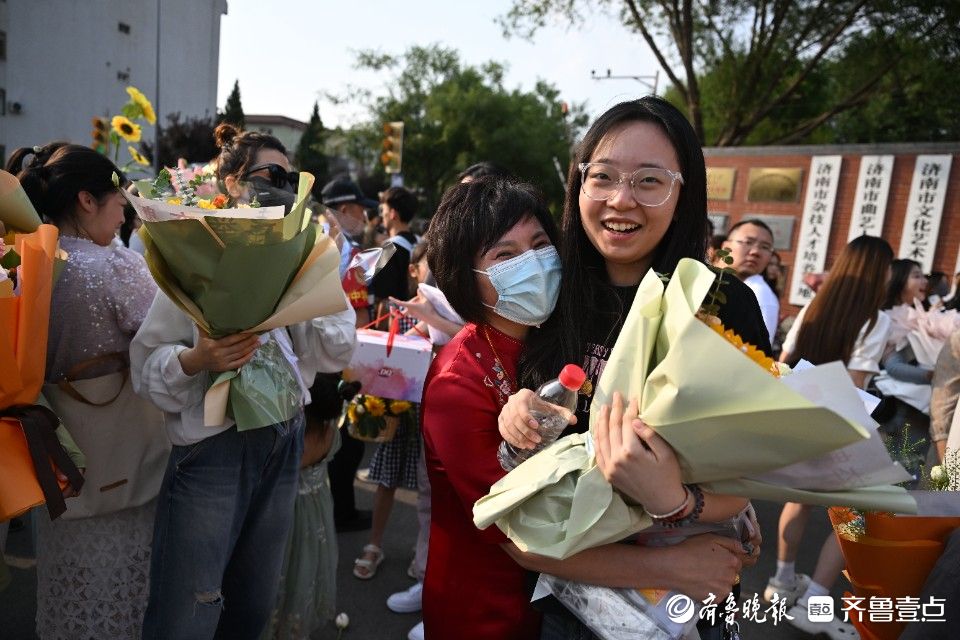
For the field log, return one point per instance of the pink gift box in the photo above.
(400, 375)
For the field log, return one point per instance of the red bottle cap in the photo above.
(572, 377)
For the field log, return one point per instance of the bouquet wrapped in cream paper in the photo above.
(244, 268)
(736, 426)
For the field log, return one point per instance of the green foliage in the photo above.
(455, 115)
(812, 71)
(233, 111)
(191, 139)
(309, 155)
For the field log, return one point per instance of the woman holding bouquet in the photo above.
(636, 200)
(227, 499)
(91, 571)
(475, 585)
(844, 322)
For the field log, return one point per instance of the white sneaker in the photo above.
(836, 629)
(416, 633)
(787, 591)
(407, 601)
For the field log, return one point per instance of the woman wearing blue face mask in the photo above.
(491, 249)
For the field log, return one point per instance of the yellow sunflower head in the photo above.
(137, 97)
(746, 348)
(126, 128)
(375, 406)
(138, 157)
(352, 413)
(399, 406)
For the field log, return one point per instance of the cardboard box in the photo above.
(399, 376)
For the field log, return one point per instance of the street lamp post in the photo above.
(650, 81)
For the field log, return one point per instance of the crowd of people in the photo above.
(233, 533)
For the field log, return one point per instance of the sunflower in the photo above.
(352, 413)
(399, 406)
(141, 101)
(375, 406)
(745, 348)
(125, 128)
(138, 157)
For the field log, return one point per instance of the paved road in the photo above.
(365, 601)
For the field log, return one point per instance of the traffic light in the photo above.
(392, 146)
(100, 138)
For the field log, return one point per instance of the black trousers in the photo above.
(342, 470)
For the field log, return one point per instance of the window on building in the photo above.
(123, 27)
(3, 102)
(3, 45)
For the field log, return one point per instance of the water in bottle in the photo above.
(546, 410)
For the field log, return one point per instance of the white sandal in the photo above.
(364, 568)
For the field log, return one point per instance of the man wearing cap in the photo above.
(350, 205)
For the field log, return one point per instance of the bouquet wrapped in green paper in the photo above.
(737, 428)
(232, 268)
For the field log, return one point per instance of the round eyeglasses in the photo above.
(650, 186)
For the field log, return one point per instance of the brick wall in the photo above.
(745, 158)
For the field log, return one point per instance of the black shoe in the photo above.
(361, 520)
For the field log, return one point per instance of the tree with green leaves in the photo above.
(765, 57)
(455, 115)
(233, 111)
(310, 153)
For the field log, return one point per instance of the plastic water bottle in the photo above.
(561, 392)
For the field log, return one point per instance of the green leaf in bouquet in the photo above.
(10, 260)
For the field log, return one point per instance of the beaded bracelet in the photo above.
(691, 517)
(673, 512)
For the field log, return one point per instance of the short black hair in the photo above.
(471, 217)
(401, 200)
(755, 222)
(717, 240)
(483, 169)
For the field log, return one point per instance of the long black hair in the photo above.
(900, 271)
(586, 286)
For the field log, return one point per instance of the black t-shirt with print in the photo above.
(741, 313)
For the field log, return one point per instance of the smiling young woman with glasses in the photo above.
(636, 200)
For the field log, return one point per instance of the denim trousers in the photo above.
(223, 514)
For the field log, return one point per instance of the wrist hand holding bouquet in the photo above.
(734, 426)
(241, 269)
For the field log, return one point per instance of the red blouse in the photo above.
(472, 588)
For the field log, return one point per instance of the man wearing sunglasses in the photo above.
(750, 243)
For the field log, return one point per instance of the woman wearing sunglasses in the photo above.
(256, 166)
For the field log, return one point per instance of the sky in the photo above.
(289, 53)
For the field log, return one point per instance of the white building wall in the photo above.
(64, 57)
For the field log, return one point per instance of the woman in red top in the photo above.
(491, 251)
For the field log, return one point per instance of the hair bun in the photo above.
(224, 134)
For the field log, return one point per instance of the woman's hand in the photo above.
(517, 426)
(754, 541)
(635, 460)
(68, 491)
(418, 307)
(706, 564)
(224, 354)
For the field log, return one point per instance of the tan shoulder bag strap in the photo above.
(65, 386)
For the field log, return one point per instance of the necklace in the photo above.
(496, 356)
